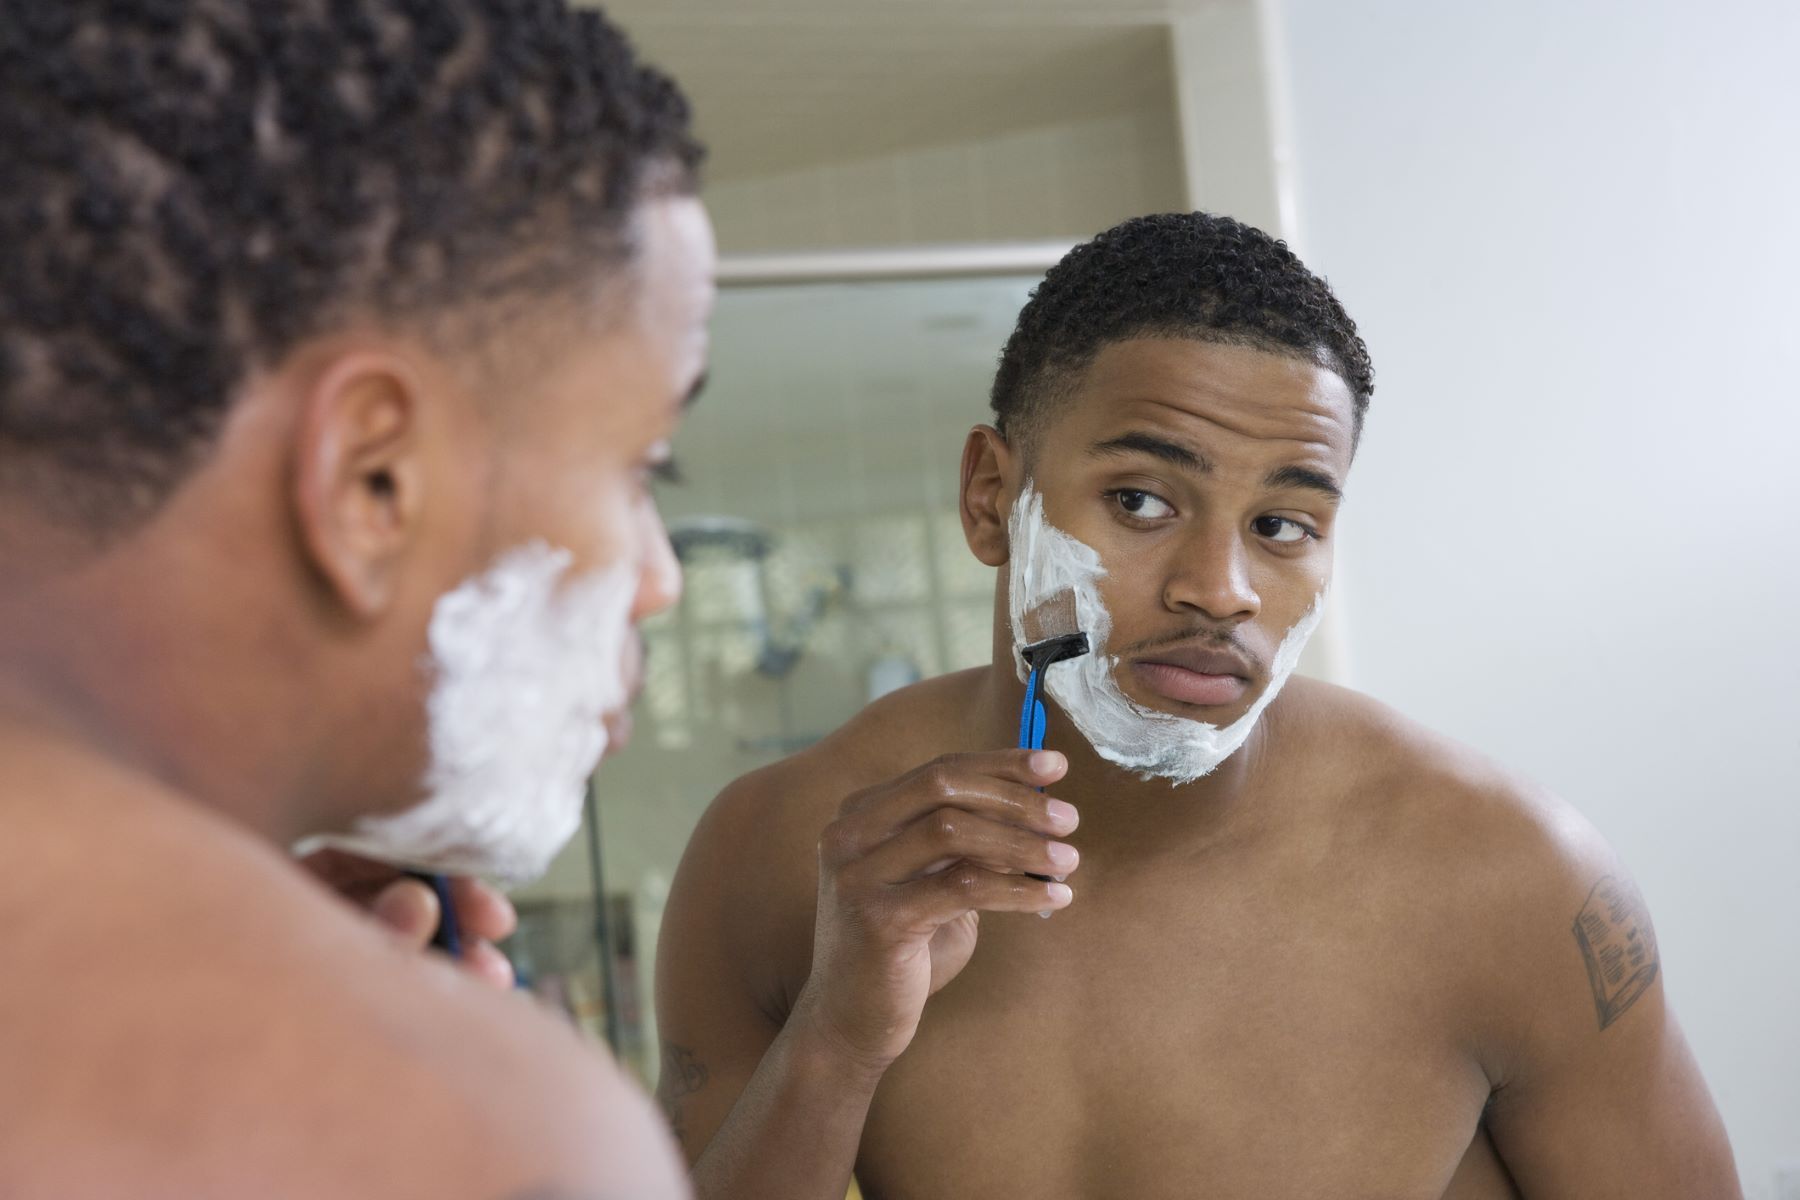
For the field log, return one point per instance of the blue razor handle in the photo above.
(1039, 656)
(448, 937)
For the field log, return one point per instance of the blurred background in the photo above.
(1570, 233)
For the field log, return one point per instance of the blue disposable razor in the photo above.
(448, 936)
(1040, 657)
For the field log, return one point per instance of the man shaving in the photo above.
(338, 345)
(1297, 945)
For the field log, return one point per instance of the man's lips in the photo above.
(1198, 675)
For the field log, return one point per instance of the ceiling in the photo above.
(781, 85)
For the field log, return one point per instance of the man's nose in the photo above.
(659, 571)
(1210, 574)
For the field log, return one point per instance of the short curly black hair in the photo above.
(189, 188)
(1192, 275)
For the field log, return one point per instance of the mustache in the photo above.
(1208, 636)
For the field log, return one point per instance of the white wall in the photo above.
(1068, 180)
(1570, 230)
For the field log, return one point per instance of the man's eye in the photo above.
(1280, 529)
(1145, 506)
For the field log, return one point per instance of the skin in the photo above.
(1343, 964)
(202, 1017)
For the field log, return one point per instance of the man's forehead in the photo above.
(677, 261)
(676, 285)
(1215, 392)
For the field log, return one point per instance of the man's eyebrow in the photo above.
(1191, 460)
(1173, 453)
(694, 390)
(1303, 477)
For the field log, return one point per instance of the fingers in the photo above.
(1000, 785)
(483, 960)
(947, 835)
(940, 898)
(482, 910)
(409, 908)
(406, 904)
(1028, 768)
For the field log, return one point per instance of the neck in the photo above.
(152, 682)
(62, 722)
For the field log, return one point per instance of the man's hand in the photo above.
(410, 908)
(904, 873)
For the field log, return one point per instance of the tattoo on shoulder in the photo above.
(1618, 945)
(682, 1076)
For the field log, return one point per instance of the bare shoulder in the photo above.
(1525, 899)
(184, 998)
(1466, 810)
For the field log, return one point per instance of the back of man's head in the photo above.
(189, 188)
(322, 319)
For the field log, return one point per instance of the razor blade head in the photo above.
(1053, 650)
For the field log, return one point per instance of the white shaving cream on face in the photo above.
(1043, 561)
(524, 665)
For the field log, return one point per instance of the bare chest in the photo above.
(1243, 1045)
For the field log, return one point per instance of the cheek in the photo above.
(1132, 585)
(592, 517)
(1129, 598)
(605, 530)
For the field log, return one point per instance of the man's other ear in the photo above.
(988, 490)
(358, 477)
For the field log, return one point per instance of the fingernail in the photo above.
(1063, 855)
(1062, 814)
(1061, 893)
(1047, 762)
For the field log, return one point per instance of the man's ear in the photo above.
(986, 464)
(359, 477)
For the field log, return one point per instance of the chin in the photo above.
(619, 727)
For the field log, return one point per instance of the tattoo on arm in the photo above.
(682, 1076)
(1619, 947)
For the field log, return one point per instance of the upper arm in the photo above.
(1601, 1096)
(714, 958)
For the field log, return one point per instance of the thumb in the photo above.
(409, 908)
